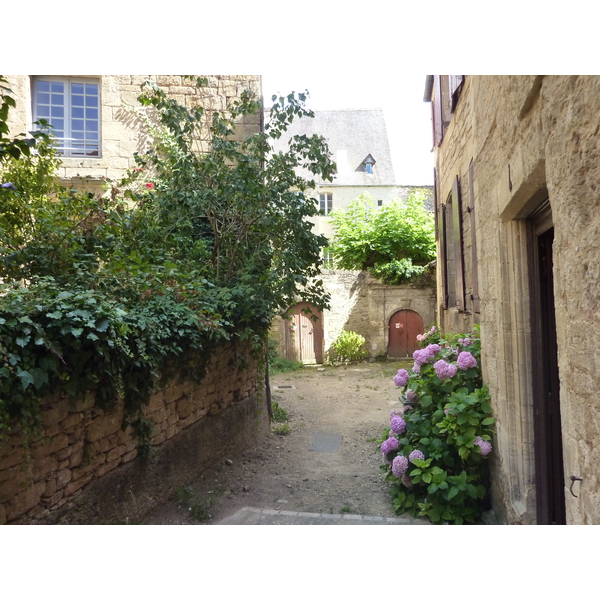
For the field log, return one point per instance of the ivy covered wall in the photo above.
(85, 468)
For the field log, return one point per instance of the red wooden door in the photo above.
(304, 336)
(405, 325)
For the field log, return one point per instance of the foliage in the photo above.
(436, 446)
(280, 415)
(348, 346)
(397, 271)
(283, 429)
(279, 364)
(189, 250)
(394, 241)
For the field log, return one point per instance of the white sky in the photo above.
(407, 117)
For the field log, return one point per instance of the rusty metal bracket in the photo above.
(573, 480)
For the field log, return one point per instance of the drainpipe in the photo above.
(428, 88)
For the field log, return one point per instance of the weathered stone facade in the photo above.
(86, 469)
(361, 303)
(513, 145)
(122, 131)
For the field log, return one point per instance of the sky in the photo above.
(407, 117)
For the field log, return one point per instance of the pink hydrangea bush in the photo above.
(438, 444)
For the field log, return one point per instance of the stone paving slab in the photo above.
(267, 516)
(325, 442)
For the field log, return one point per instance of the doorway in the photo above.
(405, 325)
(303, 334)
(550, 481)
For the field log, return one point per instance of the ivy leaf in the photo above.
(102, 325)
(26, 378)
(22, 341)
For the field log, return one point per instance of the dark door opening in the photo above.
(550, 481)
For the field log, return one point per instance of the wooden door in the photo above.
(405, 325)
(304, 335)
(550, 481)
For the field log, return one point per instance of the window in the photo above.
(368, 164)
(444, 92)
(72, 107)
(379, 202)
(328, 262)
(325, 203)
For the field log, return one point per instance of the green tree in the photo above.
(191, 248)
(393, 241)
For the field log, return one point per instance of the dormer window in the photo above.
(368, 164)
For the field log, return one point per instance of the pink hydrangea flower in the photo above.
(401, 378)
(399, 465)
(389, 445)
(444, 370)
(416, 369)
(432, 350)
(410, 395)
(465, 361)
(420, 356)
(416, 454)
(484, 446)
(397, 424)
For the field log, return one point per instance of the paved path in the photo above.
(265, 516)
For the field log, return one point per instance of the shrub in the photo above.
(348, 346)
(436, 446)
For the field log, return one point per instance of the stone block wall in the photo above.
(86, 469)
(122, 131)
(532, 138)
(361, 303)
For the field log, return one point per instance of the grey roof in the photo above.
(352, 135)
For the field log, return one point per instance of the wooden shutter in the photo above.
(457, 244)
(442, 256)
(435, 203)
(436, 107)
(475, 265)
(455, 84)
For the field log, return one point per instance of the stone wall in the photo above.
(532, 138)
(361, 303)
(86, 469)
(122, 131)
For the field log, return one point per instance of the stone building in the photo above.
(358, 142)
(96, 121)
(518, 217)
(85, 468)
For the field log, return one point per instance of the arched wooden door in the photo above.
(303, 335)
(405, 326)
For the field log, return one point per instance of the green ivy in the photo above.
(188, 250)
